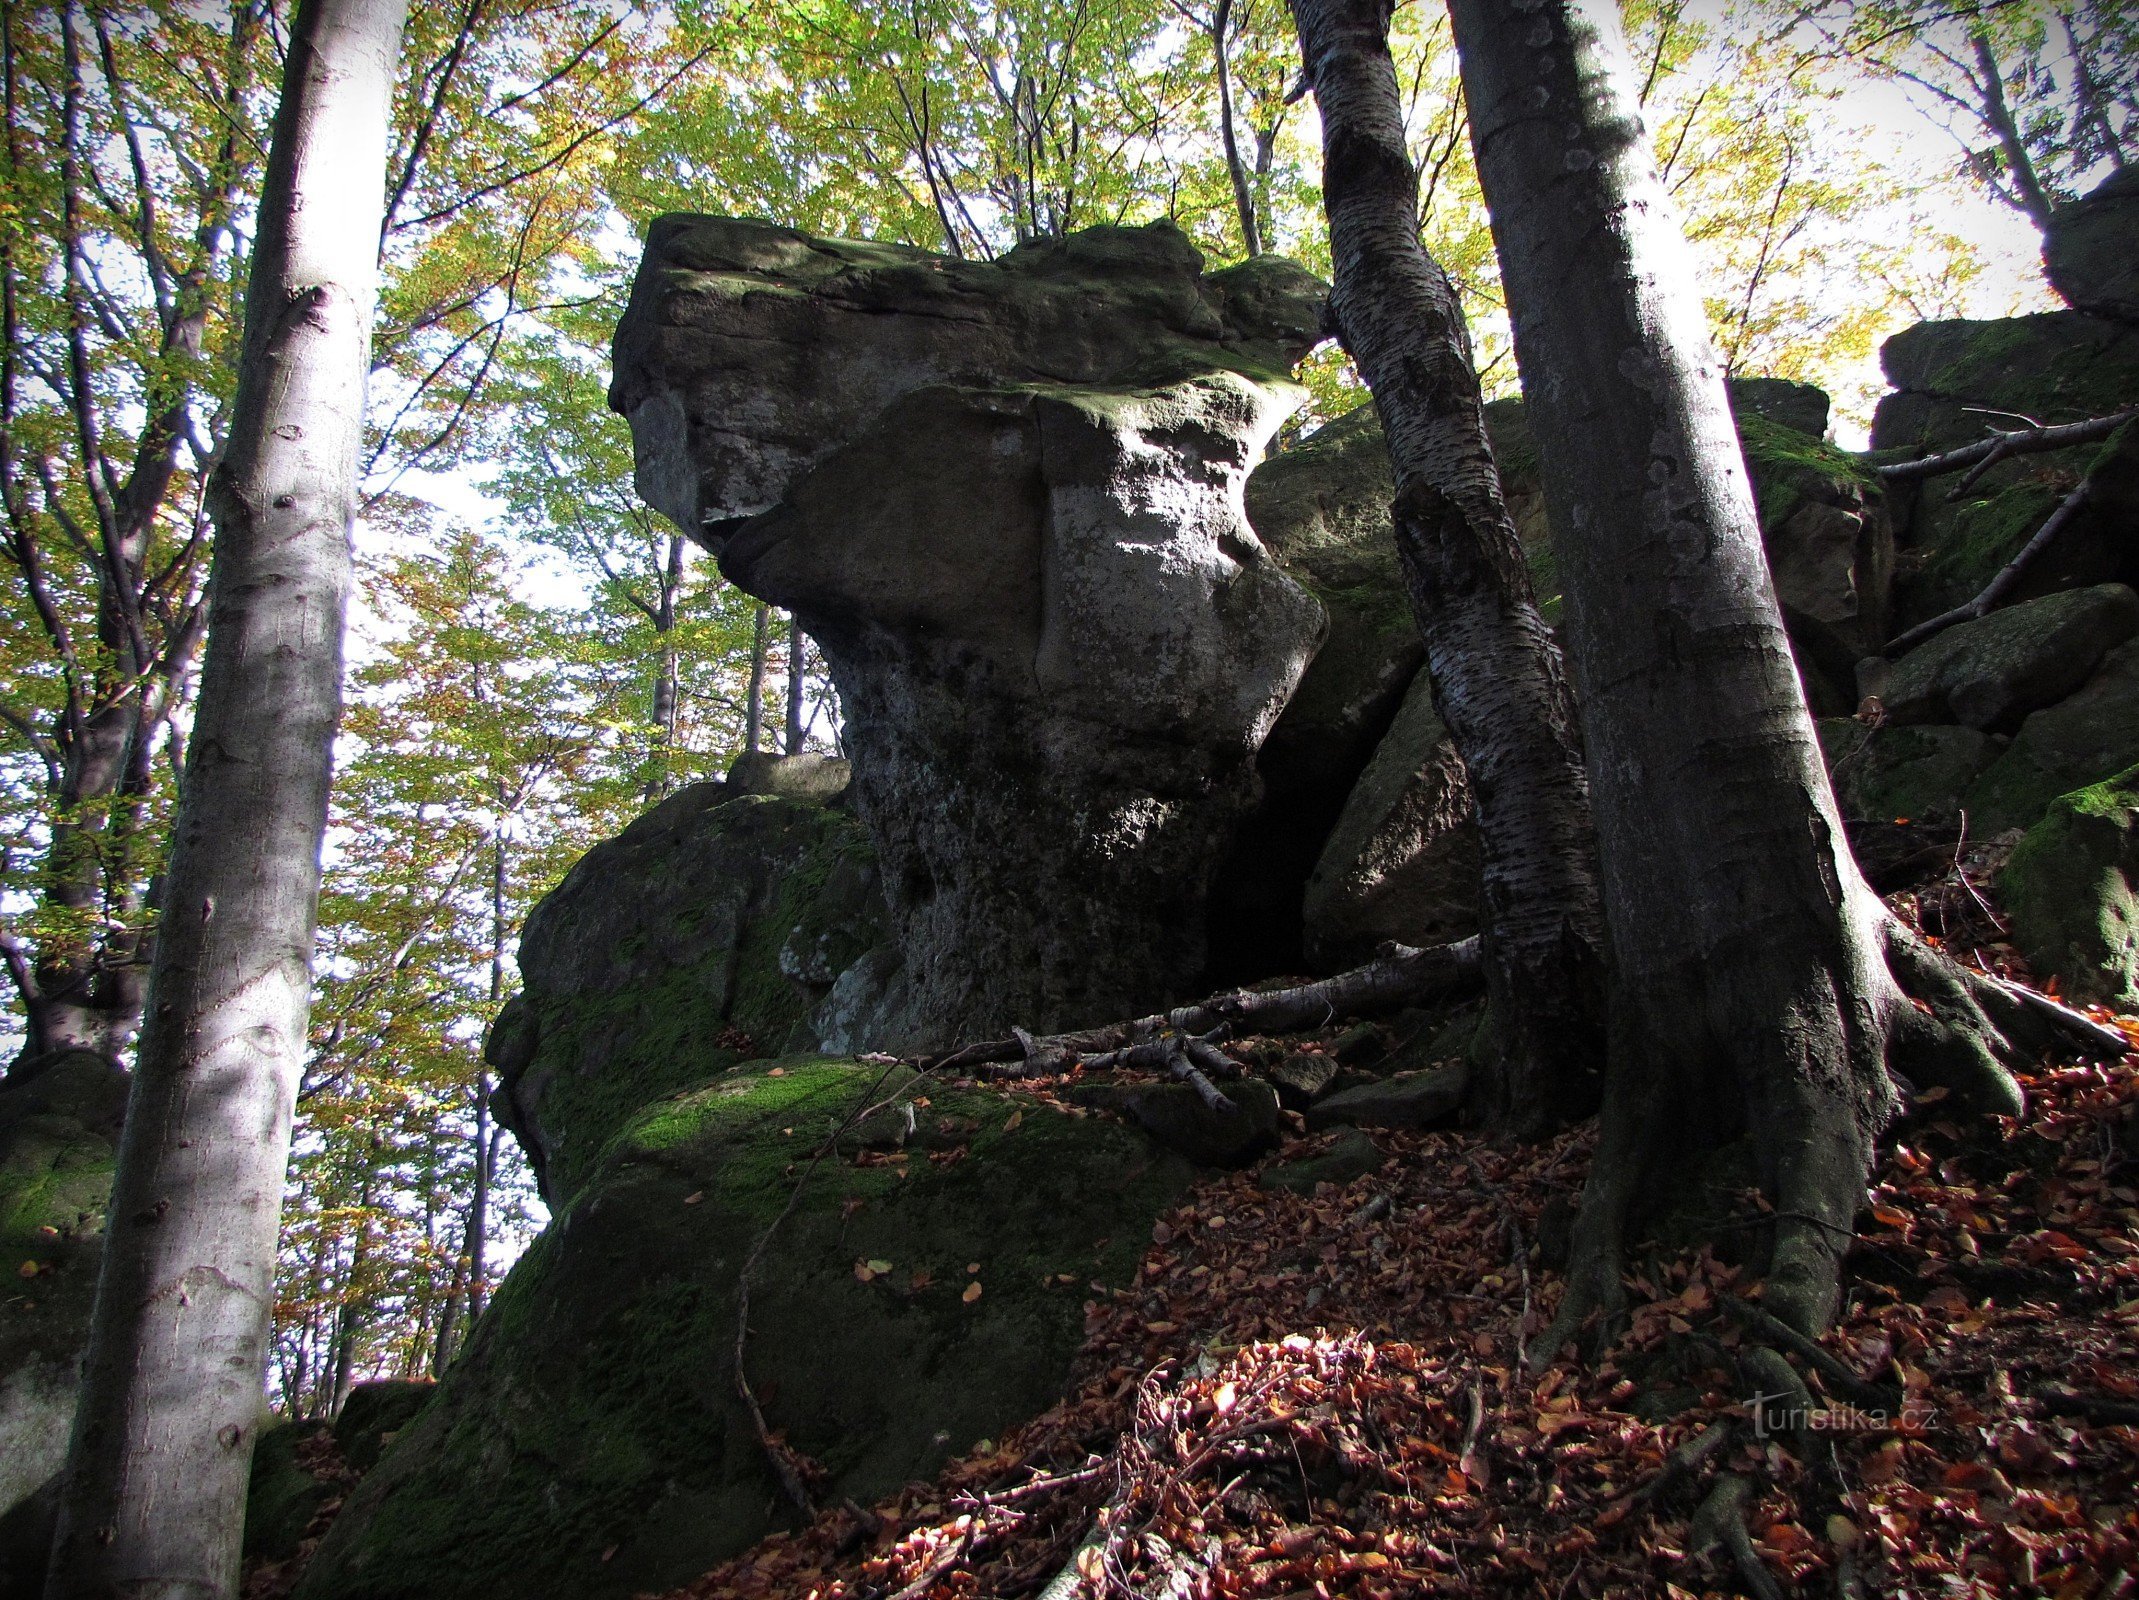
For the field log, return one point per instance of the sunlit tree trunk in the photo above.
(170, 1404)
(1497, 679)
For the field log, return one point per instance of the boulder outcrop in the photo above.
(589, 1443)
(1005, 498)
(709, 931)
(2087, 248)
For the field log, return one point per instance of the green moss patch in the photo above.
(589, 1444)
(2071, 888)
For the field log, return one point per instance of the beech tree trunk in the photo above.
(1497, 677)
(171, 1393)
(1754, 1002)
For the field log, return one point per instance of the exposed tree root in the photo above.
(1721, 1521)
(1817, 1084)
(1400, 976)
(1832, 1371)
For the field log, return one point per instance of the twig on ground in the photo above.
(2062, 1402)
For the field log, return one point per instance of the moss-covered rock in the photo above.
(1889, 772)
(708, 931)
(59, 1127)
(2071, 888)
(2079, 742)
(281, 1496)
(589, 1443)
(1990, 673)
(374, 1413)
(1952, 379)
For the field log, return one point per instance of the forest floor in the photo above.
(1319, 1396)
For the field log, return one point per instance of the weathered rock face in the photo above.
(1362, 832)
(2080, 741)
(2087, 249)
(710, 930)
(1322, 509)
(1897, 770)
(1402, 862)
(1006, 500)
(751, 352)
(589, 1444)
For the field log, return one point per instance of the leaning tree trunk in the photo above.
(170, 1404)
(1755, 1000)
(1497, 678)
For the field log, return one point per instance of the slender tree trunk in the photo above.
(798, 654)
(667, 672)
(170, 1403)
(2028, 193)
(349, 1319)
(1497, 677)
(1751, 998)
(754, 705)
(1251, 237)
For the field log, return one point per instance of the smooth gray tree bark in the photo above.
(1497, 677)
(1757, 994)
(171, 1395)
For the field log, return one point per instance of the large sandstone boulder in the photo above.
(1895, 771)
(1322, 509)
(709, 931)
(1402, 861)
(2071, 888)
(589, 1444)
(750, 352)
(1006, 499)
(2087, 250)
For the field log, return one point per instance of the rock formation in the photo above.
(1005, 498)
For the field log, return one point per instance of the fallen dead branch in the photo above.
(1986, 453)
(1402, 975)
